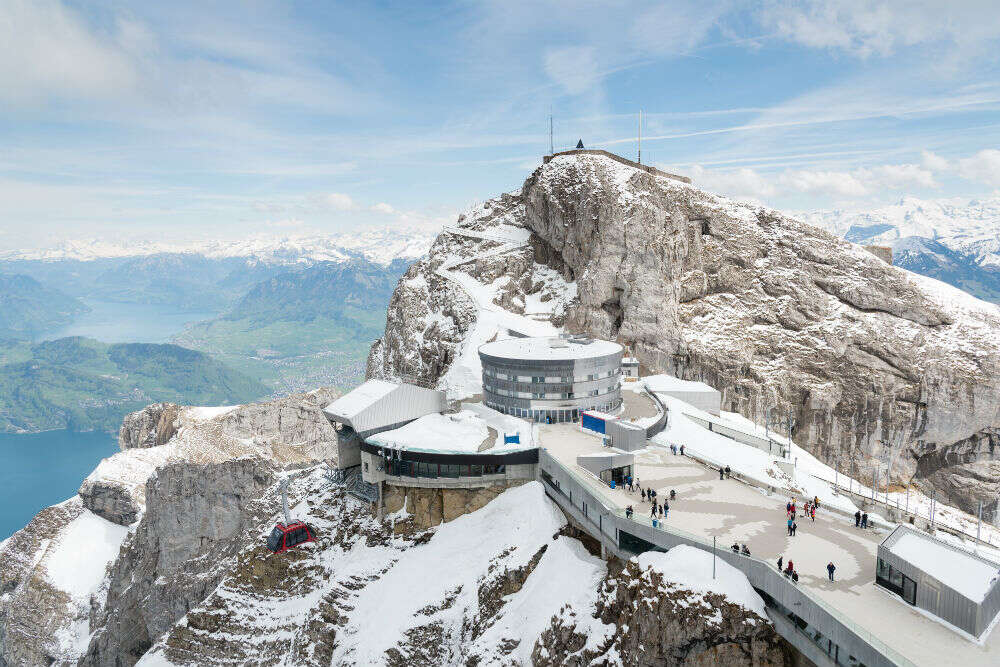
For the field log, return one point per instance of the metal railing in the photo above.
(849, 636)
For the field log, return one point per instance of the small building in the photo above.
(596, 421)
(630, 369)
(955, 585)
(698, 394)
(376, 406)
(473, 447)
(610, 466)
(626, 436)
(551, 379)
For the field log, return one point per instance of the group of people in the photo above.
(789, 570)
(657, 509)
(860, 519)
(724, 473)
(737, 549)
(674, 448)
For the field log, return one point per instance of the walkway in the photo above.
(735, 512)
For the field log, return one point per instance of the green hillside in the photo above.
(303, 329)
(82, 384)
(27, 307)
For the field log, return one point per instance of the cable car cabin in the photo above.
(283, 537)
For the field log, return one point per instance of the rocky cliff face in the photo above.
(660, 623)
(872, 362)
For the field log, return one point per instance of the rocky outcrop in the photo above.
(663, 624)
(872, 363)
(174, 559)
(112, 501)
(152, 426)
(429, 507)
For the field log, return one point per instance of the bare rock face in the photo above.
(111, 501)
(660, 623)
(171, 562)
(152, 426)
(429, 507)
(873, 363)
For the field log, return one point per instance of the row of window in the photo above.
(501, 391)
(889, 577)
(552, 416)
(547, 379)
(419, 469)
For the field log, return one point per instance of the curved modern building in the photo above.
(551, 379)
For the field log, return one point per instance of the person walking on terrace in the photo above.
(857, 519)
(628, 512)
(780, 558)
(722, 473)
(830, 567)
(682, 450)
(790, 526)
(864, 520)
(728, 472)
(794, 527)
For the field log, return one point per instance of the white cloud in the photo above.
(880, 27)
(382, 207)
(574, 68)
(934, 162)
(48, 50)
(339, 201)
(984, 167)
(289, 222)
(858, 183)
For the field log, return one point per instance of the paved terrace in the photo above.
(736, 512)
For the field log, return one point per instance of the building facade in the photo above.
(551, 380)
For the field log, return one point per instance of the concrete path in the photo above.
(736, 512)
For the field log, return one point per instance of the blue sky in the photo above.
(187, 120)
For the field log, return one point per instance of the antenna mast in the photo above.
(552, 149)
(640, 136)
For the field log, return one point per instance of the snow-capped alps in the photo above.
(380, 246)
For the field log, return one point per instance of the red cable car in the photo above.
(283, 537)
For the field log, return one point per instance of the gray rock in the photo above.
(872, 362)
(111, 501)
(152, 426)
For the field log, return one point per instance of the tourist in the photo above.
(790, 522)
(794, 526)
(830, 567)
(812, 513)
(728, 472)
(857, 519)
(652, 512)
(673, 494)
(682, 450)
(735, 548)
(793, 508)
(788, 508)
(864, 520)
(795, 576)
(722, 473)
(780, 558)
(628, 512)
(815, 501)
(745, 551)
(666, 509)
(661, 511)
(644, 499)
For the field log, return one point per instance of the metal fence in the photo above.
(600, 515)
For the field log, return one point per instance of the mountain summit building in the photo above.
(551, 380)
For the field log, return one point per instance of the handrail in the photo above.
(660, 423)
(766, 576)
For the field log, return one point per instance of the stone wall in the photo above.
(429, 507)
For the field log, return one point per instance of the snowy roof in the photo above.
(666, 383)
(465, 432)
(550, 348)
(968, 574)
(378, 404)
(600, 415)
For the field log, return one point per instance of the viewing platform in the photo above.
(617, 158)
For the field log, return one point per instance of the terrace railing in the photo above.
(598, 514)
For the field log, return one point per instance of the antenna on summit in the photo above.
(552, 149)
(640, 136)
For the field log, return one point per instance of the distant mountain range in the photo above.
(27, 307)
(955, 241)
(379, 246)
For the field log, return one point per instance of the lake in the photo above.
(113, 322)
(42, 469)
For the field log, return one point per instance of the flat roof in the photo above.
(966, 573)
(352, 403)
(469, 431)
(667, 383)
(550, 348)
